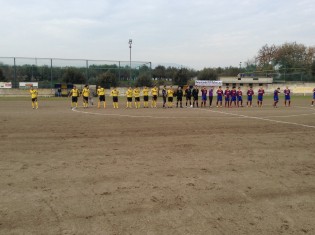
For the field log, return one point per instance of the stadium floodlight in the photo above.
(130, 42)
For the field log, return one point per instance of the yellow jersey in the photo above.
(114, 92)
(129, 93)
(74, 93)
(86, 92)
(170, 92)
(34, 93)
(136, 92)
(101, 91)
(145, 92)
(154, 91)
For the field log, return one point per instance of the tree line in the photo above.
(288, 61)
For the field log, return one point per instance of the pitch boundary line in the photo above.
(143, 116)
(263, 119)
(209, 110)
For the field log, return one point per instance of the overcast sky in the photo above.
(193, 33)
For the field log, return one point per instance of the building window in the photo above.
(241, 84)
(260, 84)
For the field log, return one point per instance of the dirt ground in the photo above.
(156, 171)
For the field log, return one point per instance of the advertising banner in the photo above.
(5, 85)
(208, 83)
(27, 85)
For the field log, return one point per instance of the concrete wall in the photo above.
(26, 92)
(296, 88)
(246, 80)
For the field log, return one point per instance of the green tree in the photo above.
(229, 71)
(207, 74)
(313, 69)
(2, 77)
(73, 75)
(294, 57)
(144, 79)
(159, 72)
(107, 80)
(182, 77)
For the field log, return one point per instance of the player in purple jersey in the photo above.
(210, 96)
(219, 97)
(233, 97)
(276, 97)
(239, 94)
(250, 94)
(261, 93)
(313, 97)
(227, 94)
(287, 96)
(203, 97)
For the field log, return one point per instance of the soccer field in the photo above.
(156, 171)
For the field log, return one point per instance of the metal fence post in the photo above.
(87, 71)
(14, 85)
(51, 75)
(119, 70)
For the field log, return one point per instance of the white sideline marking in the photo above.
(142, 116)
(210, 110)
(263, 119)
(293, 115)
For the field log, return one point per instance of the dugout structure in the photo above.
(50, 71)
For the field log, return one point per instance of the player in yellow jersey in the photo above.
(136, 93)
(129, 94)
(145, 93)
(154, 92)
(101, 96)
(114, 93)
(34, 95)
(85, 95)
(170, 96)
(74, 93)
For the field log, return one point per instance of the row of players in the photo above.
(231, 97)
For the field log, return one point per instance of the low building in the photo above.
(246, 80)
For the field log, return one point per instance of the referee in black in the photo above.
(195, 94)
(179, 95)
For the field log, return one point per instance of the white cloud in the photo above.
(200, 33)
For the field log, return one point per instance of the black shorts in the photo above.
(115, 99)
(101, 97)
(195, 97)
(170, 99)
(137, 99)
(74, 99)
(129, 99)
(85, 98)
(155, 97)
(146, 98)
(34, 99)
(188, 97)
(179, 98)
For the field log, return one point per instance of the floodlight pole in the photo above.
(130, 43)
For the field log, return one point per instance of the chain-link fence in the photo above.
(283, 76)
(50, 71)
